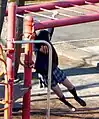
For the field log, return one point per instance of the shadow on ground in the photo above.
(72, 71)
(61, 112)
(81, 71)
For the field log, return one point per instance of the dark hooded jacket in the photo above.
(41, 64)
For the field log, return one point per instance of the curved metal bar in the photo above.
(49, 67)
(2, 109)
(2, 83)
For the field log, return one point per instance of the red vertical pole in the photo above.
(10, 53)
(28, 26)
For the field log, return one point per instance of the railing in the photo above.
(49, 68)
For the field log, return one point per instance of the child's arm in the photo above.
(51, 31)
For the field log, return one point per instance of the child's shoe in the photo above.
(80, 101)
(71, 107)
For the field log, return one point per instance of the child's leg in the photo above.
(72, 90)
(68, 84)
(59, 93)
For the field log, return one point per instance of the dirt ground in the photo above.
(60, 111)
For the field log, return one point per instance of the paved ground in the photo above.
(81, 67)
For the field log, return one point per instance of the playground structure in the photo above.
(30, 27)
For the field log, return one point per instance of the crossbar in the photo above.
(50, 6)
(67, 21)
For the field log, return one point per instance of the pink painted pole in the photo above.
(51, 5)
(10, 53)
(93, 1)
(66, 21)
(27, 70)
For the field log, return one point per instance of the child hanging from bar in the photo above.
(58, 76)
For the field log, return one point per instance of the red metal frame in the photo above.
(29, 29)
(28, 69)
(67, 21)
(63, 21)
(50, 5)
(93, 1)
(10, 54)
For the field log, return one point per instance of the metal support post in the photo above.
(10, 55)
(27, 69)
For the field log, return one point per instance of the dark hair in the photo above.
(42, 35)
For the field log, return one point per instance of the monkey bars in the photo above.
(66, 20)
(51, 5)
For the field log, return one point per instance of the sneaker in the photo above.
(80, 101)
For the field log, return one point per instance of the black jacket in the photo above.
(41, 64)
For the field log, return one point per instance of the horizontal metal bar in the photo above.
(67, 21)
(41, 15)
(50, 5)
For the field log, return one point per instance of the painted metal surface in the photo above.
(50, 5)
(49, 69)
(10, 53)
(63, 21)
(27, 69)
(67, 21)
